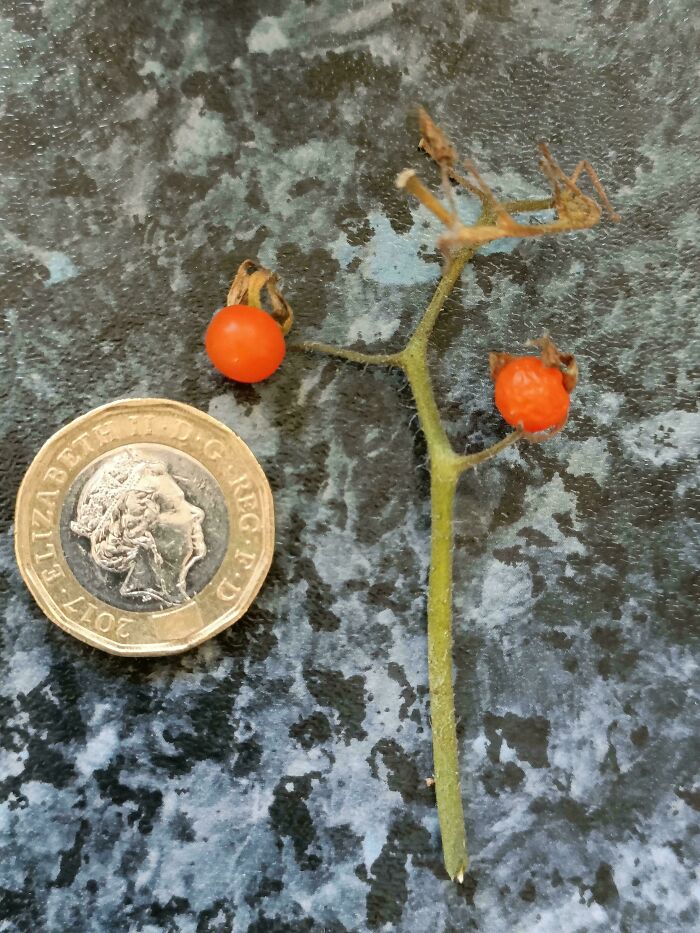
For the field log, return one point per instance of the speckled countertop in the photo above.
(274, 779)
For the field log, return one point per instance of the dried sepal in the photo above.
(552, 356)
(281, 309)
(435, 142)
(497, 361)
(247, 288)
(239, 287)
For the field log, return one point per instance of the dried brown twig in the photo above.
(574, 210)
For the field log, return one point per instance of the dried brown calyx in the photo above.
(435, 142)
(247, 289)
(550, 356)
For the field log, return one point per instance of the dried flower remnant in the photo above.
(247, 287)
(574, 211)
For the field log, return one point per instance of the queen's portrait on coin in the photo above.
(141, 526)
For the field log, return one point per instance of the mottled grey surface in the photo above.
(273, 779)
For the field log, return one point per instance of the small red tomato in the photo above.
(531, 395)
(245, 343)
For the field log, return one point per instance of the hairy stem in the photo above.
(446, 466)
(443, 480)
(355, 356)
(417, 345)
(468, 461)
(416, 368)
(442, 706)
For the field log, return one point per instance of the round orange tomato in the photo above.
(531, 395)
(245, 343)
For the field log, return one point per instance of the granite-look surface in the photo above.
(274, 779)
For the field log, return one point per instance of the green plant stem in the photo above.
(446, 467)
(468, 461)
(443, 482)
(418, 343)
(355, 356)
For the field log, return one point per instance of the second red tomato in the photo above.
(531, 395)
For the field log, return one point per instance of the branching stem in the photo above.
(446, 467)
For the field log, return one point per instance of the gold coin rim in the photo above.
(39, 590)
